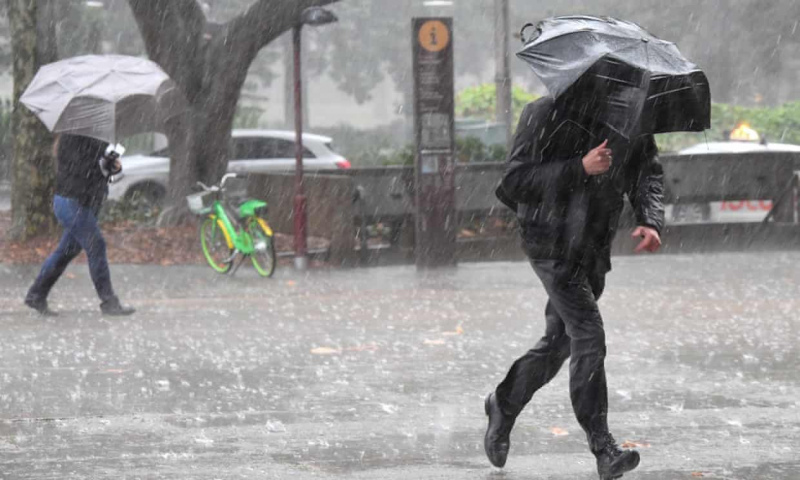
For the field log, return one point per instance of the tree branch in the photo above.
(172, 31)
(266, 20)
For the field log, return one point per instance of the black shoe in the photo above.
(612, 461)
(496, 442)
(115, 309)
(41, 307)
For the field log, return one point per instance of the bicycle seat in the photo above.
(234, 206)
(236, 201)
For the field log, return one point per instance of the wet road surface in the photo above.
(381, 373)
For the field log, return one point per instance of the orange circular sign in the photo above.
(434, 36)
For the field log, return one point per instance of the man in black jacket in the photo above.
(566, 184)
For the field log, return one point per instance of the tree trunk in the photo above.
(33, 167)
(200, 139)
(209, 64)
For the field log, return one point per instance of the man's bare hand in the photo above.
(598, 160)
(651, 241)
(116, 166)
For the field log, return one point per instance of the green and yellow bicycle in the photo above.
(233, 228)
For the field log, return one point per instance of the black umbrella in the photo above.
(615, 75)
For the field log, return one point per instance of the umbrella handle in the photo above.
(522, 32)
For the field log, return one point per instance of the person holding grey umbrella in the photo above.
(92, 100)
(575, 156)
(84, 167)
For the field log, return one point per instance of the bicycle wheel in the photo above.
(215, 246)
(264, 255)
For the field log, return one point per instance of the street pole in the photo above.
(300, 247)
(503, 103)
(434, 138)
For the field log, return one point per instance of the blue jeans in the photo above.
(81, 232)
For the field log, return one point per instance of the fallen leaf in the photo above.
(363, 348)
(458, 331)
(697, 474)
(631, 444)
(438, 341)
(559, 432)
(325, 351)
(70, 275)
(291, 283)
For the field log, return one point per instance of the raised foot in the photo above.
(612, 463)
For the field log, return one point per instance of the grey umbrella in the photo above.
(616, 74)
(108, 97)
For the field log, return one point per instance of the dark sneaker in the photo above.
(41, 307)
(115, 309)
(612, 461)
(496, 442)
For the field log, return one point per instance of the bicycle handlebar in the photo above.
(217, 188)
(206, 188)
(225, 179)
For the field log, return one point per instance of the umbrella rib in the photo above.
(99, 79)
(594, 33)
(559, 35)
(63, 85)
(675, 90)
(667, 59)
(616, 80)
(114, 119)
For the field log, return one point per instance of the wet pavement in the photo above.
(381, 373)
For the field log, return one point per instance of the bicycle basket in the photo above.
(200, 203)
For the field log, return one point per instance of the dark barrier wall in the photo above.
(386, 195)
(330, 208)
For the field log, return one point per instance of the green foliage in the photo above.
(247, 117)
(84, 30)
(139, 143)
(479, 101)
(776, 124)
(496, 153)
(403, 156)
(135, 210)
(473, 150)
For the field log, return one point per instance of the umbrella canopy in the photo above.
(107, 97)
(618, 75)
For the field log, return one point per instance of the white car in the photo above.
(252, 151)
(740, 211)
(738, 147)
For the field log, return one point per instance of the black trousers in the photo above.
(574, 328)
